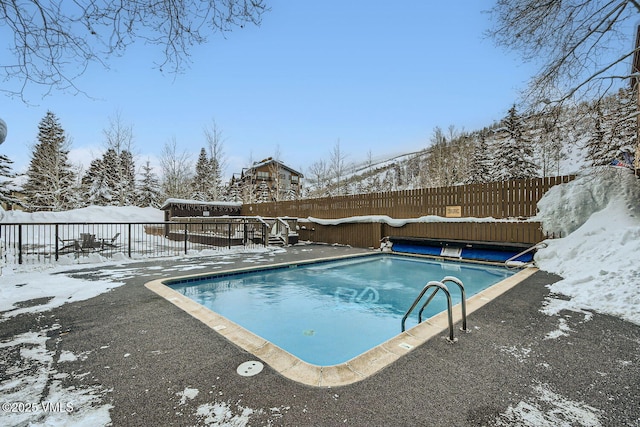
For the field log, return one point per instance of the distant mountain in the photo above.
(559, 141)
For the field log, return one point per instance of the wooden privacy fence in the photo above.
(505, 199)
(369, 234)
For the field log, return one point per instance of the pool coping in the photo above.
(354, 370)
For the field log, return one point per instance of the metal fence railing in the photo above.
(23, 243)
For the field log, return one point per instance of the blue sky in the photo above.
(377, 76)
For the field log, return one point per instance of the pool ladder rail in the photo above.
(440, 286)
(511, 263)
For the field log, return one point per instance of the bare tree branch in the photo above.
(55, 42)
(584, 45)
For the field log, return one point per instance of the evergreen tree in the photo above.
(111, 166)
(613, 128)
(596, 146)
(50, 178)
(149, 189)
(95, 187)
(202, 177)
(119, 162)
(513, 157)
(480, 162)
(623, 132)
(6, 177)
(215, 176)
(126, 184)
(111, 180)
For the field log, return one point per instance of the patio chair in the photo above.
(69, 245)
(109, 242)
(88, 242)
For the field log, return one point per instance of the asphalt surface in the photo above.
(507, 366)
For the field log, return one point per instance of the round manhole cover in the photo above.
(248, 369)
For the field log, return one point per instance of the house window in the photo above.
(294, 178)
(262, 175)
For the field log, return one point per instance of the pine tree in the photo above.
(126, 184)
(148, 194)
(111, 180)
(202, 177)
(95, 188)
(513, 157)
(6, 179)
(624, 124)
(596, 146)
(481, 162)
(119, 162)
(111, 165)
(50, 178)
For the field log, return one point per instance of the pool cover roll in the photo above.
(480, 254)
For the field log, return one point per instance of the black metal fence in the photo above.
(24, 243)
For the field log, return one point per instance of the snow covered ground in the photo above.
(599, 213)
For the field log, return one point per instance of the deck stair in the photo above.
(276, 240)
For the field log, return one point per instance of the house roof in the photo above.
(270, 160)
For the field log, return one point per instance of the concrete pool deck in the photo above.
(517, 360)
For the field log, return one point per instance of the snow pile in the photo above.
(565, 208)
(598, 258)
(88, 214)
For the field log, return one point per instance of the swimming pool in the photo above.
(327, 313)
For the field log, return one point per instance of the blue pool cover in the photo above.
(480, 254)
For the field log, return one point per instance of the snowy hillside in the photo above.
(551, 143)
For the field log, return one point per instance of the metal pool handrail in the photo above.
(510, 263)
(463, 301)
(439, 286)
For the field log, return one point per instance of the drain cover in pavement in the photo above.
(249, 369)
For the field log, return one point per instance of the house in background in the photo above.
(266, 181)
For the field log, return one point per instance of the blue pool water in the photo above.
(330, 312)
